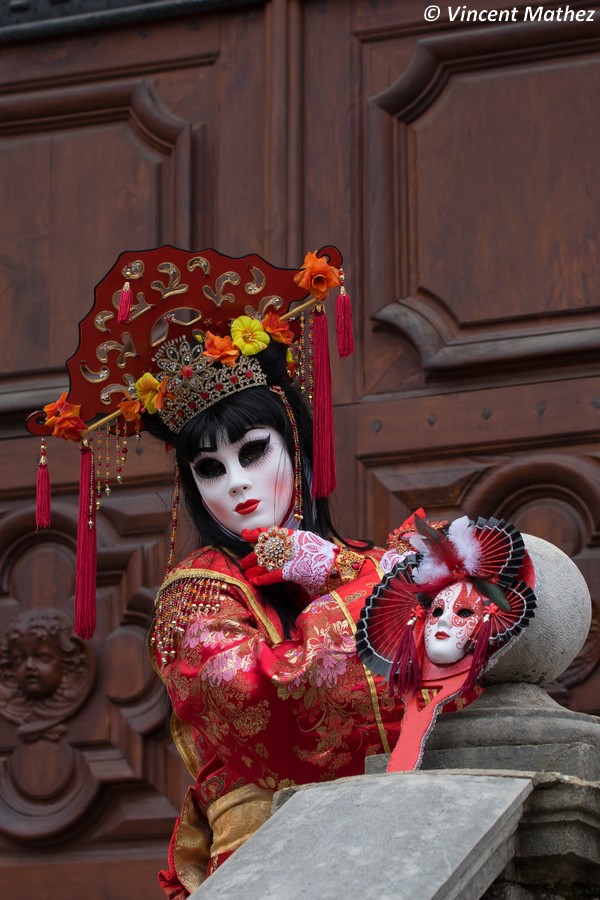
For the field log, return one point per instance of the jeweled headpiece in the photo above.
(171, 333)
(194, 383)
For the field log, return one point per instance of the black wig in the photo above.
(232, 417)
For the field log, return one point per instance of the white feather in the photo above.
(419, 543)
(429, 569)
(462, 535)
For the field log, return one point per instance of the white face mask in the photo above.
(248, 484)
(451, 621)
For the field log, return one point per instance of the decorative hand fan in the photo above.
(438, 619)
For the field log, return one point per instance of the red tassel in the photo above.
(405, 674)
(479, 654)
(42, 494)
(124, 305)
(343, 322)
(323, 483)
(85, 567)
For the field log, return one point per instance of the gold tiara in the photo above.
(193, 381)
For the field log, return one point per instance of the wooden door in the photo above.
(453, 163)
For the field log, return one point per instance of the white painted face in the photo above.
(451, 621)
(247, 484)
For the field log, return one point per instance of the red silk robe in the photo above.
(254, 712)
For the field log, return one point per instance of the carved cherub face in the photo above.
(46, 672)
(451, 622)
(37, 664)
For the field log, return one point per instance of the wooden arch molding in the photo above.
(546, 484)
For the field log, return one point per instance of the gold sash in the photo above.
(229, 821)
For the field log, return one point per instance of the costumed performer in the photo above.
(254, 632)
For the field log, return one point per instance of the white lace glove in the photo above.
(281, 554)
(312, 561)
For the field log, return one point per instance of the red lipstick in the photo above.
(442, 636)
(247, 507)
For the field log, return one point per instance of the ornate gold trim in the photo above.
(228, 579)
(229, 822)
(181, 733)
(368, 675)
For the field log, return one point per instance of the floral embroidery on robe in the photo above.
(269, 711)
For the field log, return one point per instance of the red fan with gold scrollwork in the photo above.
(173, 332)
(175, 293)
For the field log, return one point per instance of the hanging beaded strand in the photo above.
(177, 603)
(107, 463)
(99, 470)
(118, 454)
(174, 518)
(308, 356)
(298, 498)
(124, 450)
(301, 353)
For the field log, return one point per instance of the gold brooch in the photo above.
(274, 548)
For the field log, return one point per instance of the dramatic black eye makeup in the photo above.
(250, 451)
(209, 468)
(253, 450)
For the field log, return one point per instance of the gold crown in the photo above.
(194, 382)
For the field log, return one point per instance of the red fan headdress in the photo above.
(171, 333)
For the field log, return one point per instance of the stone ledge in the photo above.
(372, 837)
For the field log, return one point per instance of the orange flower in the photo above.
(161, 395)
(220, 349)
(60, 409)
(317, 276)
(131, 410)
(278, 328)
(69, 427)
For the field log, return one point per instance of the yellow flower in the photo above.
(147, 388)
(249, 335)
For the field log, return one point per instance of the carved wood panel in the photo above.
(83, 750)
(481, 312)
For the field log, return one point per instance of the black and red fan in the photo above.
(507, 624)
(489, 553)
(384, 617)
(502, 550)
(486, 551)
